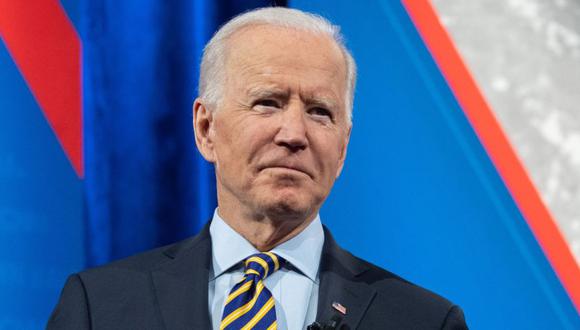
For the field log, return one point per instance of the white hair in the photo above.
(212, 75)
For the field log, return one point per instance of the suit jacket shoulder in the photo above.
(166, 288)
(162, 288)
(375, 298)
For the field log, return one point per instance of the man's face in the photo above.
(279, 135)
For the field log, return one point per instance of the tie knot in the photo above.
(263, 264)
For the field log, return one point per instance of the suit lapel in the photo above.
(181, 284)
(338, 283)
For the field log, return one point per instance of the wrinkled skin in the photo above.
(278, 138)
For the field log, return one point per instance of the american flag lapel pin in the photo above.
(339, 308)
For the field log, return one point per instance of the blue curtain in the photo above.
(145, 185)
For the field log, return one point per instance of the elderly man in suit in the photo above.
(274, 117)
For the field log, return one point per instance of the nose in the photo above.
(292, 132)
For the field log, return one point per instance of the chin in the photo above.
(288, 207)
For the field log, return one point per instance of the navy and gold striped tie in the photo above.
(250, 304)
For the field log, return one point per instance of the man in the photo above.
(274, 117)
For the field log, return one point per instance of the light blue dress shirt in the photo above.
(294, 287)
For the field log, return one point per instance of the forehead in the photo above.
(272, 53)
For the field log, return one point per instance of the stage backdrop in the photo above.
(431, 189)
(97, 156)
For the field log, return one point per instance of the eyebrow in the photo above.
(268, 91)
(326, 102)
(274, 91)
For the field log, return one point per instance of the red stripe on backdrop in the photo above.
(497, 145)
(46, 49)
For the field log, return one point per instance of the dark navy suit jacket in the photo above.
(167, 288)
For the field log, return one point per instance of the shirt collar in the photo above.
(302, 251)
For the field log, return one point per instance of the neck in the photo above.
(262, 231)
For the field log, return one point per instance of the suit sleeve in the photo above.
(454, 320)
(72, 309)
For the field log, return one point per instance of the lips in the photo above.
(286, 165)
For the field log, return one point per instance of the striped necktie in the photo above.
(250, 304)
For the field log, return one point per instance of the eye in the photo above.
(270, 103)
(320, 112)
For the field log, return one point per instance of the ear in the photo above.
(343, 150)
(203, 121)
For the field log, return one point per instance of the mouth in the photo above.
(286, 168)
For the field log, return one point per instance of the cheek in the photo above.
(239, 145)
(256, 134)
(224, 149)
(229, 133)
(329, 156)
